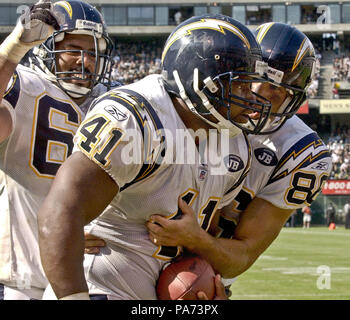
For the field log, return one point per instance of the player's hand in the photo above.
(219, 291)
(32, 29)
(184, 231)
(39, 23)
(93, 244)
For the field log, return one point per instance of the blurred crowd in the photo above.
(135, 60)
(341, 69)
(339, 146)
(312, 91)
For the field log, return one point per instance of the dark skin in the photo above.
(79, 194)
(74, 210)
(70, 61)
(258, 225)
(229, 257)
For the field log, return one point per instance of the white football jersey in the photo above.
(289, 169)
(134, 133)
(45, 120)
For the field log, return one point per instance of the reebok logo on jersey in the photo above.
(321, 166)
(116, 113)
(233, 163)
(266, 156)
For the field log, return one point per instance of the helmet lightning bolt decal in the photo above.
(212, 24)
(263, 29)
(66, 5)
(306, 46)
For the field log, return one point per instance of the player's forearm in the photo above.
(12, 50)
(80, 192)
(229, 257)
(61, 241)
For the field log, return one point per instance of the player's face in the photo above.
(72, 61)
(275, 94)
(243, 90)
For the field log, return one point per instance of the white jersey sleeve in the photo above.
(11, 95)
(289, 169)
(112, 136)
(299, 175)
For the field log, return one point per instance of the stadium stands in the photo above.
(136, 59)
(339, 145)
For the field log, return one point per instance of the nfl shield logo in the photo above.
(203, 170)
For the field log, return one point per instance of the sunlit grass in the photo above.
(292, 266)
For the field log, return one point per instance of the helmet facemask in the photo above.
(227, 99)
(217, 92)
(102, 68)
(291, 65)
(289, 107)
(76, 18)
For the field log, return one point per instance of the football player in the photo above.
(41, 109)
(119, 175)
(290, 164)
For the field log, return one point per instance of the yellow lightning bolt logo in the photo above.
(305, 47)
(212, 24)
(263, 29)
(66, 5)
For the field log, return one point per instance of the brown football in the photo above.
(183, 279)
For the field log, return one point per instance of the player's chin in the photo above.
(81, 83)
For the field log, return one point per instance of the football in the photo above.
(183, 278)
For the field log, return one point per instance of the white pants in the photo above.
(12, 293)
(307, 218)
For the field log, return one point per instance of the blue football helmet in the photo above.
(203, 58)
(291, 61)
(76, 17)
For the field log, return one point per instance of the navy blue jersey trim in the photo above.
(147, 169)
(141, 104)
(12, 94)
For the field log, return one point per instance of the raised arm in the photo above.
(33, 28)
(79, 193)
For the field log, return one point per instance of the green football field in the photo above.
(302, 264)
